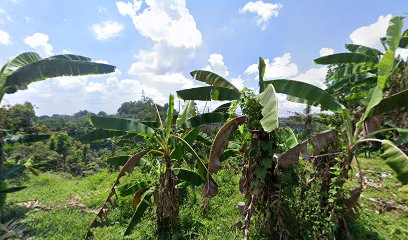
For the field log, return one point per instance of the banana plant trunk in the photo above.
(166, 199)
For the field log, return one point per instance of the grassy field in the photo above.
(58, 206)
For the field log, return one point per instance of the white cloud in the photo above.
(216, 64)
(4, 37)
(107, 29)
(39, 41)
(370, 35)
(173, 31)
(402, 53)
(238, 82)
(4, 16)
(281, 67)
(128, 8)
(164, 21)
(264, 11)
(326, 51)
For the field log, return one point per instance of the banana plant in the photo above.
(29, 67)
(375, 103)
(167, 140)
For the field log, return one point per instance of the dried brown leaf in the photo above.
(221, 142)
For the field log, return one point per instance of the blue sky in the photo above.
(156, 43)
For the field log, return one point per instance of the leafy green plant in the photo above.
(167, 142)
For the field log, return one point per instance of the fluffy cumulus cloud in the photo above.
(326, 51)
(107, 29)
(173, 31)
(166, 21)
(4, 37)
(264, 11)
(39, 41)
(216, 64)
(280, 67)
(370, 35)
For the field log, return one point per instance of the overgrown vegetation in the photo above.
(238, 171)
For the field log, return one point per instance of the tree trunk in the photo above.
(166, 199)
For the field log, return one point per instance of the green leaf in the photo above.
(290, 138)
(375, 98)
(179, 148)
(384, 68)
(340, 58)
(306, 93)
(212, 79)
(170, 114)
(223, 108)
(100, 134)
(189, 176)
(119, 124)
(50, 68)
(221, 142)
(189, 111)
(393, 34)
(393, 157)
(140, 210)
(404, 40)
(132, 188)
(350, 69)
(16, 62)
(390, 103)
(269, 102)
(261, 69)
(206, 118)
(209, 93)
(355, 48)
(342, 85)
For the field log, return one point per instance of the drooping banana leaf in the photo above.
(132, 188)
(269, 102)
(16, 62)
(209, 93)
(289, 138)
(140, 210)
(188, 176)
(119, 124)
(343, 85)
(306, 93)
(340, 58)
(100, 134)
(404, 40)
(348, 70)
(355, 48)
(390, 103)
(221, 142)
(206, 118)
(50, 68)
(393, 157)
(223, 108)
(212, 79)
(189, 111)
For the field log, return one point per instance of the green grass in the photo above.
(62, 222)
